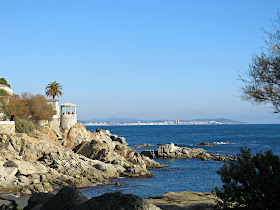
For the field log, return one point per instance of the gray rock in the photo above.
(10, 163)
(66, 198)
(137, 171)
(24, 181)
(27, 168)
(118, 139)
(7, 174)
(37, 199)
(116, 201)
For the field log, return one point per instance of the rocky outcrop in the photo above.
(77, 134)
(38, 163)
(172, 151)
(112, 149)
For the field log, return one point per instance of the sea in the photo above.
(187, 174)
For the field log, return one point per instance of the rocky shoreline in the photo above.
(41, 163)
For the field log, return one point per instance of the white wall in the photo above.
(9, 90)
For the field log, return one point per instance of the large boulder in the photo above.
(37, 200)
(26, 168)
(7, 175)
(116, 201)
(78, 134)
(97, 150)
(66, 198)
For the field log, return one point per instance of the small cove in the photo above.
(187, 174)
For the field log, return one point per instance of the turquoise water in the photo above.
(188, 174)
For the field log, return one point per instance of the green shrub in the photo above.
(3, 93)
(3, 81)
(251, 182)
(22, 143)
(24, 126)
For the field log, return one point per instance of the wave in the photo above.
(223, 142)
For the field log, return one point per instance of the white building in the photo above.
(68, 115)
(7, 89)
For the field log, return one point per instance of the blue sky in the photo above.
(148, 59)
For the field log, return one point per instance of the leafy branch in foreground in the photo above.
(263, 80)
(251, 182)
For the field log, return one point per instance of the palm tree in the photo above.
(53, 89)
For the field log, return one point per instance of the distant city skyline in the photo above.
(149, 60)
(135, 122)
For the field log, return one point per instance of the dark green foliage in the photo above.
(3, 81)
(22, 143)
(3, 93)
(262, 84)
(251, 182)
(24, 126)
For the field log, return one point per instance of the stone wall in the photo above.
(55, 123)
(7, 127)
(67, 121)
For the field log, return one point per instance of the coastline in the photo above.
(40, 162)
(111, 139)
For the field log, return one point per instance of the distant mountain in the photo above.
(112, 119)
(134, 120)
(221, 120)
